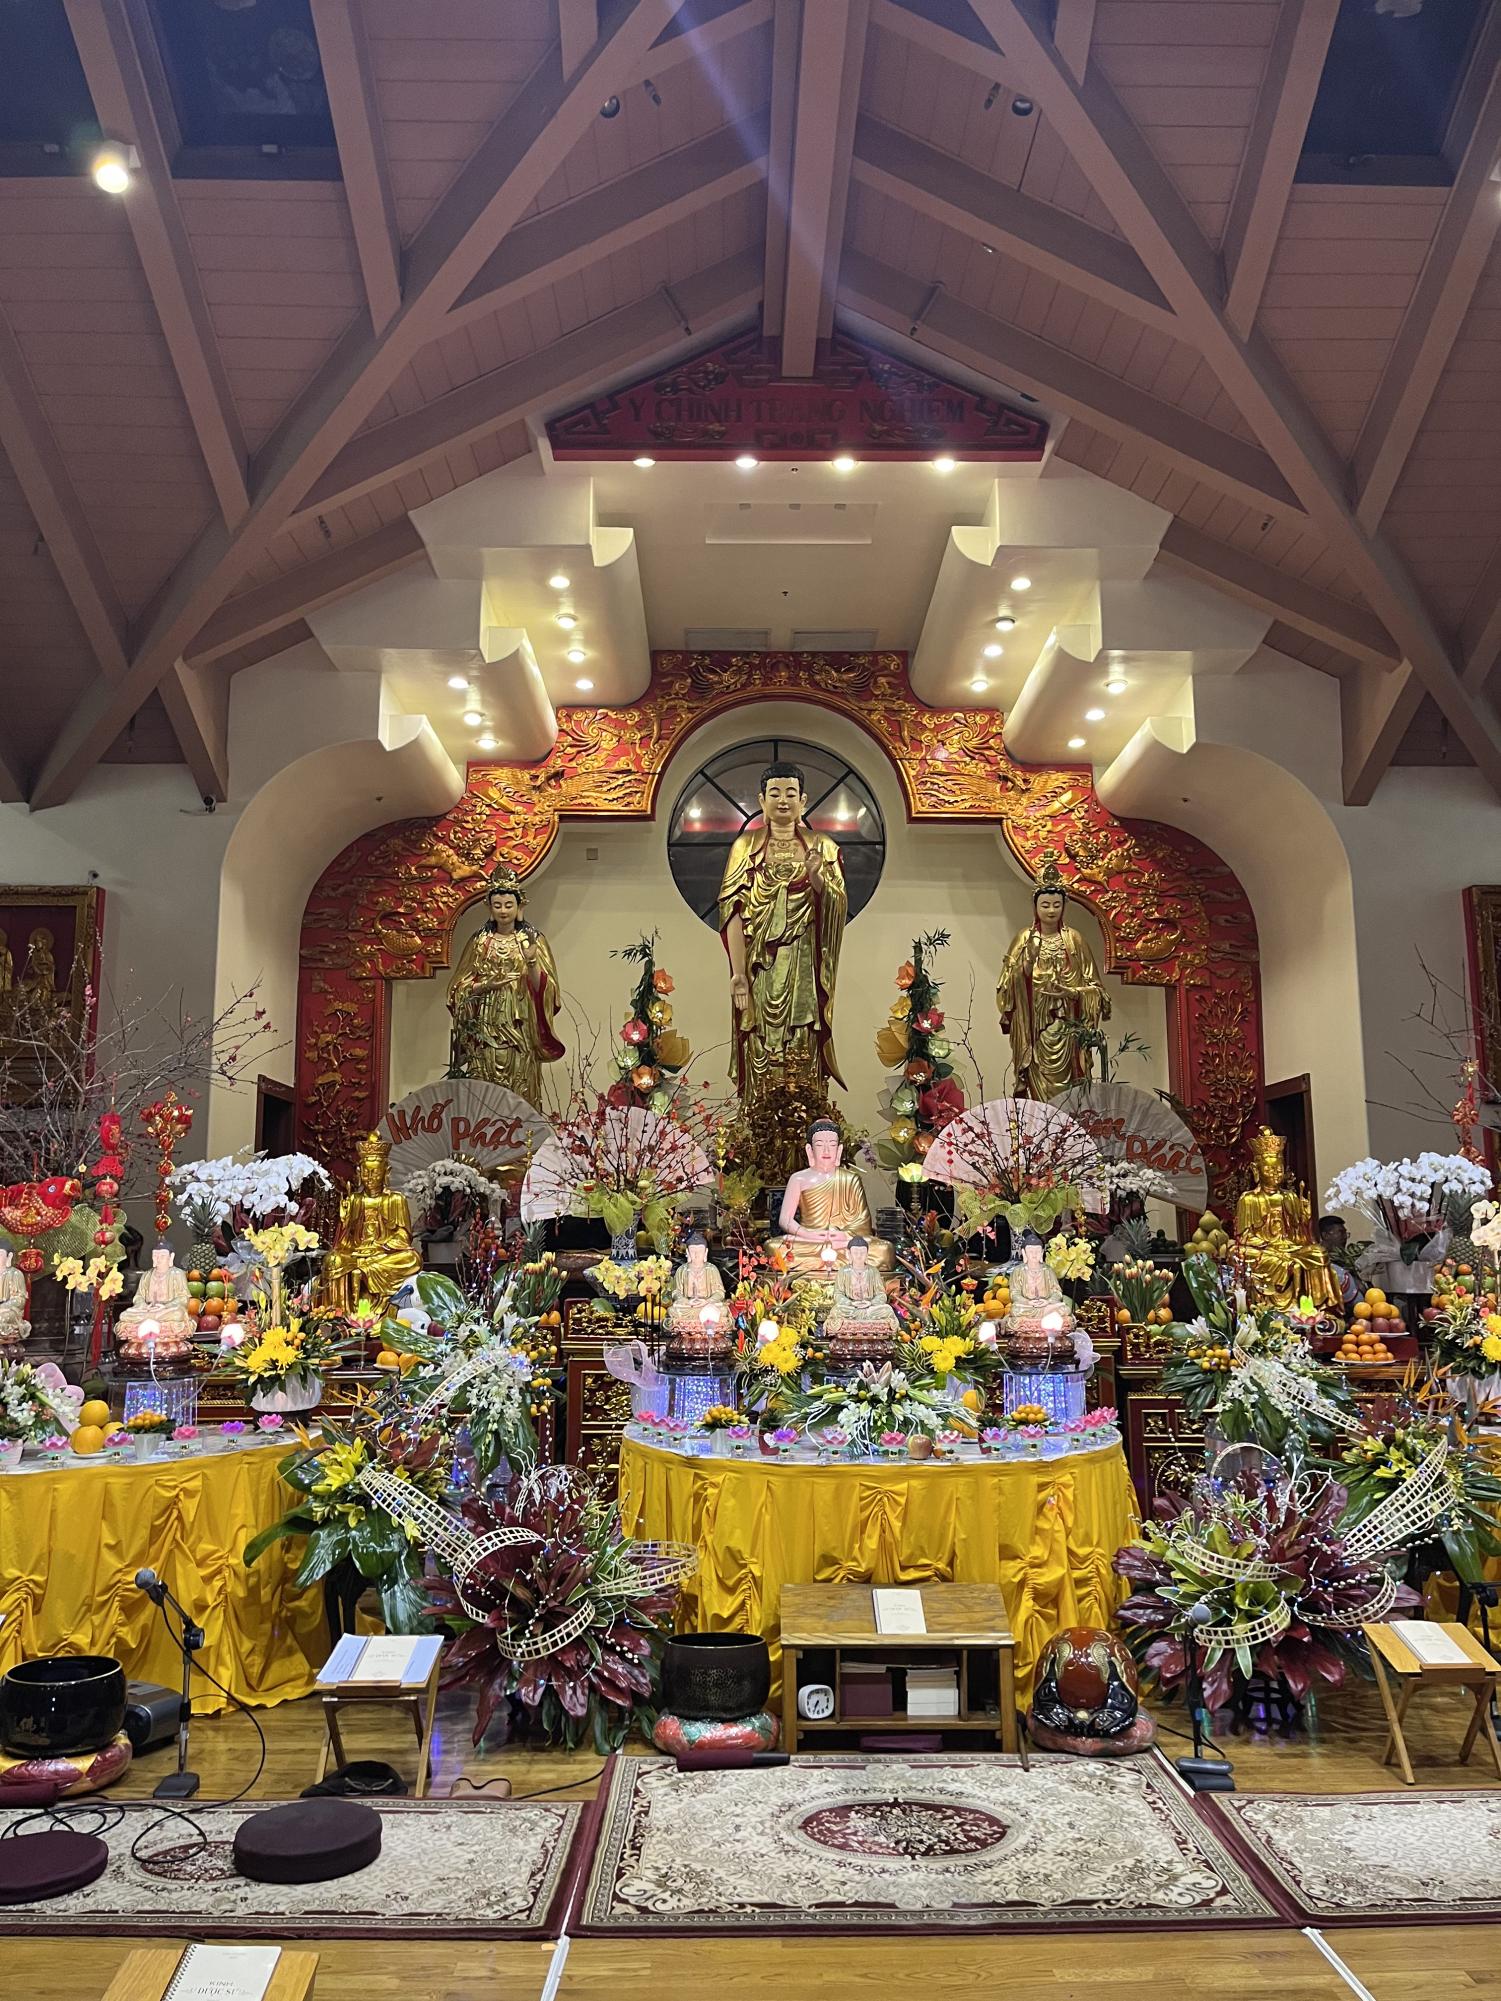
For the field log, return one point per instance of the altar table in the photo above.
(1045, 1530)
(72, 1539)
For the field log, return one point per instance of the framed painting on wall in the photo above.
(1483, 933)
(49, 953)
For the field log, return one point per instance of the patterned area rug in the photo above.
(913, 1844)
(1366, 1858)
(482, 1869)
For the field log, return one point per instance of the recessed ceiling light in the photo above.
(577, 655)
(1021, 583)
(993, 651)
(557, 581)
(1076, 743)
(1005, 623)
(1094, 715)
(844, 463)
(1116, 685)
(111, 167)
(472, 719)
(747, 462)
(584, 686)
(644, 462)
(979, 684)
(486, 742)
(944, 464)
(458, 681)
(567, 620)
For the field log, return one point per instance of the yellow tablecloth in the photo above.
(1045, 1530)
(72, 1540)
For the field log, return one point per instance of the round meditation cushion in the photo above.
(49, 1864)
(307, 1841)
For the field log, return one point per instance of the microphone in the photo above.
(152, 1585)
(182, 1783)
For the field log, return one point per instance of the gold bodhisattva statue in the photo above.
(824, 1206)
(782, 907)
(504, 998)
(1050, 987)
(1274, 1235)
(372, 1255)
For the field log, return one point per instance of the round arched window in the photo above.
(722, 799)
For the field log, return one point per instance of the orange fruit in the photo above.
(95, 1411)
(1122, 1317)
(195, 1275)
(1362, 1309)
(87, 1440)
(387, 1359)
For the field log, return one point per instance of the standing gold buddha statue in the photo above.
(1049, 989)
(1274, 1235)
(372, 1255)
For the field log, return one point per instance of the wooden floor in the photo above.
(1340, 1753)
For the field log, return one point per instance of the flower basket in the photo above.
(295, 1393)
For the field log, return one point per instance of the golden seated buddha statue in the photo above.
(824, 1206)
(1274, 1236)
(372, 1255)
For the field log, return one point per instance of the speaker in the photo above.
(152, 1714)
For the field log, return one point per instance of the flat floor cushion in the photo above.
(307, 1841)
(49, 1864)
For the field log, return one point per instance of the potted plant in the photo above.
(282, 1368)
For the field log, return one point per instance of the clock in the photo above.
(815, 1702)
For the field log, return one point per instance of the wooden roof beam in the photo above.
(1035, 233)
(1073, 32)
(714, 301)
(360, 137)
(38, 465)
(1112, 155)
(1456, 257)
(1289, 84)
(492, 192)
(130, 97)
(636, 205)
(786, 41)
(1017, 360)
(831, 57)
(273, 606)
(578, 31)
(1334, 621)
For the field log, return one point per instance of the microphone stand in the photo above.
(181, 1784)
(1198, 1773)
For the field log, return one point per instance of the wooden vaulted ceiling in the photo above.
(219, 398)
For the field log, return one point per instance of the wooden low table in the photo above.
(418, 1698)
(962, 1619)
(1392, 1659)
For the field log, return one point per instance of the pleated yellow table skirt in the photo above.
(1045, 1530)
(72, 1540)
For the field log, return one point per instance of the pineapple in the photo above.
(199, 1218)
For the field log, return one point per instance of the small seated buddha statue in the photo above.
(1274, 1235)
(14, 1326)
(1040, 1325)
(699, 1320)
(860, 1326)
(157, 1327)
(823, 1207)
(372, 1255)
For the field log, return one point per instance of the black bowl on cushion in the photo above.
(715, 1677)
(67, 1702)
(307, 1841)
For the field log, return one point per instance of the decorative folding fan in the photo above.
(460, 1118)
(1127, 1123)
(1010, 1141)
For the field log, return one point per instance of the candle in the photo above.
(1052, 1321)
(709, 1316)
(985, 1334)
(767, 1331)
(828, 1256)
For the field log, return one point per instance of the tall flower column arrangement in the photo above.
(652, 1053)
(923, 1096)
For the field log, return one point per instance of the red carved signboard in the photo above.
(733, 399)
(1173, 915)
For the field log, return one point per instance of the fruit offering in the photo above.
(996, 1303)
(1213, 1357)
(1364, 1340)
(211, 1297)
(1210, 1237)
(1375, 1314)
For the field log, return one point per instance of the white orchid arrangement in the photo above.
(1408, 1190)
(1116, 1178)
(261, 1185)
(425, 1187)
(1486, 1227)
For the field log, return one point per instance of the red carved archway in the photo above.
(1173, 915)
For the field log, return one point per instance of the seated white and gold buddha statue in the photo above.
(372, 1255)
(698, 1318)
(1040, 1325)
(860, 1326)
(157, 1326)
(14, 1326)
(823, 1207)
